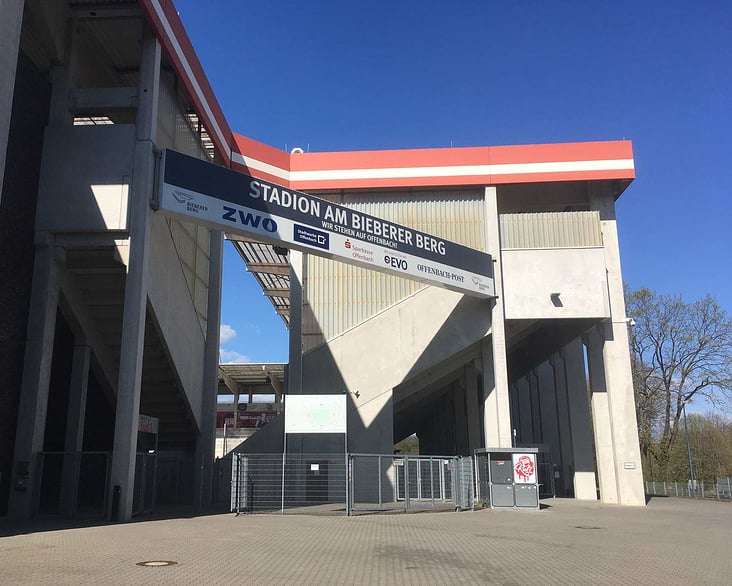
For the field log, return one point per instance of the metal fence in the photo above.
(288, 483)
(348, 484)
(720, 490)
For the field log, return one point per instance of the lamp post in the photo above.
(692, 483)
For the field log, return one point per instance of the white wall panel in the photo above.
(550, 230)
(339, 296)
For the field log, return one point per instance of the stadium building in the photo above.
(110, 308)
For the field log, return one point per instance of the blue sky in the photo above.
(415, 74)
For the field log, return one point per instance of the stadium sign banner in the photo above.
(237, 203)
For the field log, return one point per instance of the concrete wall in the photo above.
(397, 344)
(175, 313)
(17, 216)
(577, 274)
(87, 169)
(10, 26)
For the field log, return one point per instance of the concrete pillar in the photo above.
(133, 319)
(549, 417)
(34, 390)
(298, 269)
(616, 359)
(462, 434)
(10, 26)
(75, 417)
(475, 439)
(206, 444)
(585, 482)
(298, 263)
(564, 485)
(605, 455)
(495, 369)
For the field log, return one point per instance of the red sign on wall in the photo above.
(524, 468)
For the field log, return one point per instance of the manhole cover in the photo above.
(156, 563)
(587, 527)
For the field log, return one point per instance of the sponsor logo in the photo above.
(479, 283)
(443, 274)
(360, 253)
(181, 196)
(397, 263)
(250, 220)
(311, 236)
(189, 201)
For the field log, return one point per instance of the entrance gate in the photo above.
(402, 483)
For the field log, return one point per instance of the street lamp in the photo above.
(692, 483)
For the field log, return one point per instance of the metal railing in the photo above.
(720, 490)
(383, 483)
(288, 483)
(348, 484)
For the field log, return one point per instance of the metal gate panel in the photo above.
(288, 483)
(380, 482)
(239, 492)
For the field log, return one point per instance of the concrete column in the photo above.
(236, 409)
(495, 370)
(549, 417)
(473, 407)
(585, 482)
(133, 319)
(10, 26)
(616, 360)
(298, 263)
(34, 390)
(298, 269)
(462, 433)
(75, 416)
(564, 486)
(206, 444)
(605, 455)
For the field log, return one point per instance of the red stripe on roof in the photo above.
(264, 160)
(496, 155)
(464, 180)
(262, 152)
(571, 151)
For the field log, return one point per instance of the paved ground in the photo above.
(671, 541)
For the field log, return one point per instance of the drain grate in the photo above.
(156, 564)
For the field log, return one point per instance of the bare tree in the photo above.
(680, 351)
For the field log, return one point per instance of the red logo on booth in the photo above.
(524, 469)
